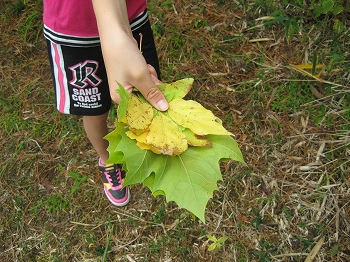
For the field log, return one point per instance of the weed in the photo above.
(54, 204)
(257, 220)
(109, 235)
(303, 224)
(18, 7)
(158, 29)
(54, 257)
(154, 247)
(158, 217)
(291, 24)
(290, 97)
(78, 181)
(264, 252)
(320, 229)
(324, 7)
(305, 242)
(11, 120)
(30, 26)
(287, 212)
(239, 246)
(216, 243)
(45, 129)
(334, 250)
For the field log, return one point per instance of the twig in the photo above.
(337, 220)
(82, 224)
(290, 255)
(321, 209)
(315, 250)
(140, 46)
(130, 259)
(37, 145)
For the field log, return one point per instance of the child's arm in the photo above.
(124, 61)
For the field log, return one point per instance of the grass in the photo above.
(293, 129)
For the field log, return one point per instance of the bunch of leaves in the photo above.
(176, 153)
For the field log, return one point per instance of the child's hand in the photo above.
(129, 68)
(124, 61)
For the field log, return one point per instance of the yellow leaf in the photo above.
(178, 89)
(124, 120)
(148, 147)
(194, 116)
(143, 146)
(308, 66)
(141, 141)
(195, 140)
(301, 68)
(138, 114)
(165, 136)
(139, 138)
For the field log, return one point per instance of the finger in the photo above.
(154, 74)
(154, 96)
(115, 97)
(155, 80)
(152, 70)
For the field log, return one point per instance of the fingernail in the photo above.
(162, 105)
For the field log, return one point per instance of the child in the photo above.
(91, 46)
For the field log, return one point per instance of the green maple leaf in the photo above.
(191, 178)
(114, 137)
(123, 103)
(188, 179)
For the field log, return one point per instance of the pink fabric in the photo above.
(77, 18)
(60, 79)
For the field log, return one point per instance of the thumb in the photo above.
(155, 97)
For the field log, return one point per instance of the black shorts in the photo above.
(80, 78)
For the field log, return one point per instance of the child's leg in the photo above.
(96, 129)
(81, 88)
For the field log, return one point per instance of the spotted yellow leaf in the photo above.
(165, 136)
(178, 89)
(138, 114)
(145, 146)
(192, 115)
(139, 138)
(195, 140)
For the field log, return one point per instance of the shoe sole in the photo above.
(119, 204)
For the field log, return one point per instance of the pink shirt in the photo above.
(65, 20)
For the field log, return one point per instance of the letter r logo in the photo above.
(85, 74)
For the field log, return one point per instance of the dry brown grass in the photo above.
(290, 203)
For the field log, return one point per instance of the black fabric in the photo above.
(94, 98)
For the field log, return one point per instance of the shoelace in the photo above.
(114, 176)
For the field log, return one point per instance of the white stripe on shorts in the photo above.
(60, 78)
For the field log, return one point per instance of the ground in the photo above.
(290, 202)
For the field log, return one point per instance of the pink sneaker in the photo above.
(112, 177)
